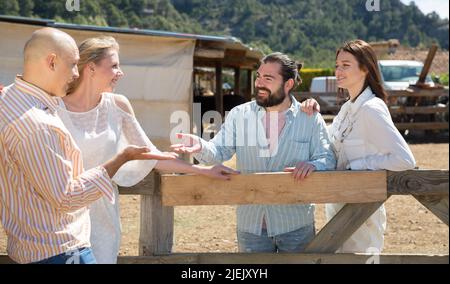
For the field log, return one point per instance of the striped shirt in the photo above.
(303, 138)
(44, 190)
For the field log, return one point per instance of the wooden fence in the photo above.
(363, 191)
(417, 109)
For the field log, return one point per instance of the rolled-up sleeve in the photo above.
(53, 166)
(223, 146)
(322, 156)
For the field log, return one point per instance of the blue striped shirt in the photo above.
(303, 138)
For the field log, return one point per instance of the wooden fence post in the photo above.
(156, 233)
(438, 205)
(341, 227)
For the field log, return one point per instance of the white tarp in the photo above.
(158, 72)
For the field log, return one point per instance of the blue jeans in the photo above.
(78, 256)
(294, 241)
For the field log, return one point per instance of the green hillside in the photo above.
(308, 29)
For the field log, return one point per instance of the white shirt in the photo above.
(101, 133)
(365, 138)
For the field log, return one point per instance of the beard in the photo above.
(273, 99)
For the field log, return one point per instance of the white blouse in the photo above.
(365, 138)
(101, 133)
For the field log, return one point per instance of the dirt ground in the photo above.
(411, 227)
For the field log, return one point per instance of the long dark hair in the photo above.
(289, 68)
(367, 60)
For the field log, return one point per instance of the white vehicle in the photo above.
(323, 84)
(326, 84)
(395, 74)
(399, 74)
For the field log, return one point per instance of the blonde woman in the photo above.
(102, 123)
(363, 135)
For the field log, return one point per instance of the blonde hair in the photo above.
(92, 50)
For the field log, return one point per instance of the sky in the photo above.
(428, 6)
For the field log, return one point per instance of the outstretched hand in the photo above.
(144, 153)
(190, 144)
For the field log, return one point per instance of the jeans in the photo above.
(294, 241)
(78, 256)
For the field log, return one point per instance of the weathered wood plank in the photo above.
(416, 93)
(436, 204)
(418, 182)
(341, 227)
(235, 57)
(419, 93)
(248, 85)
(257, 258)
(4, 259)
(422, 182)
(403, 93)
(275, 188)
(417, 110)
(156, 232)
(218, 94)
(288, 258)
(157, 221)
(427, 64)
(422, 125)
(145, 187)
(209, 53)
(237, 81)
(160, 259)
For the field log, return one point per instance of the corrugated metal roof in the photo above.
(52, 23)
(227, 42)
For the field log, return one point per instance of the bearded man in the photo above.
(270, 134)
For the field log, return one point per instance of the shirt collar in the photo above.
(32, 90)
(294, 108)
(366, 95)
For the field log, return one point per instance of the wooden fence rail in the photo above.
(275, 188)
(270, 258)
(410, 109)
(429, 187)
(430, 93)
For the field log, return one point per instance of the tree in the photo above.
(134, 21)
(9, 7)
(308, 28)
(115, 17)
(26, 8)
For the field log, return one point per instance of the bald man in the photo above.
(44, 189)
(50, 61)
